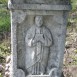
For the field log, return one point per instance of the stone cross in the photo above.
(38, 31)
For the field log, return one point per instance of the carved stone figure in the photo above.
(38, 41)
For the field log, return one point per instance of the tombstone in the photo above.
(38, 31)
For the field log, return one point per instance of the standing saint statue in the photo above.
(38, 41)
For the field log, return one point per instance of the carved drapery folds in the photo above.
(38, 39)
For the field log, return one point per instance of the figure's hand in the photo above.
(34, 41)
(39, 37)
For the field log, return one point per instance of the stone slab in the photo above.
(39, 7)
(38, 76)
(38, 32)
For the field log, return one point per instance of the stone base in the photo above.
(38, 76)
(42, 75)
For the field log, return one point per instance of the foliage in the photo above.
(72, 21)
(74, 4)
(0, 75)
(4, 21)
(5, 48)
(3, 1)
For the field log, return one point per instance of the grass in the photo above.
(3, 1)
(0, 75)
(5, 48)
(74, 4)
(4, 20)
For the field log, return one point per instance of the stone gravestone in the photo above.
(38, 30)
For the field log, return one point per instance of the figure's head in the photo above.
(39, 21)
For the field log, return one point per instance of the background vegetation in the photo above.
(70, 60)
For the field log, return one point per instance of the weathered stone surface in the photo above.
(43, 1)
(39, 7)
(38, 42)
(38, 31)
(20, 73)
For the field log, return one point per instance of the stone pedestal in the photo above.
(38, 31)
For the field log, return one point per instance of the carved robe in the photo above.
(37, 52)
